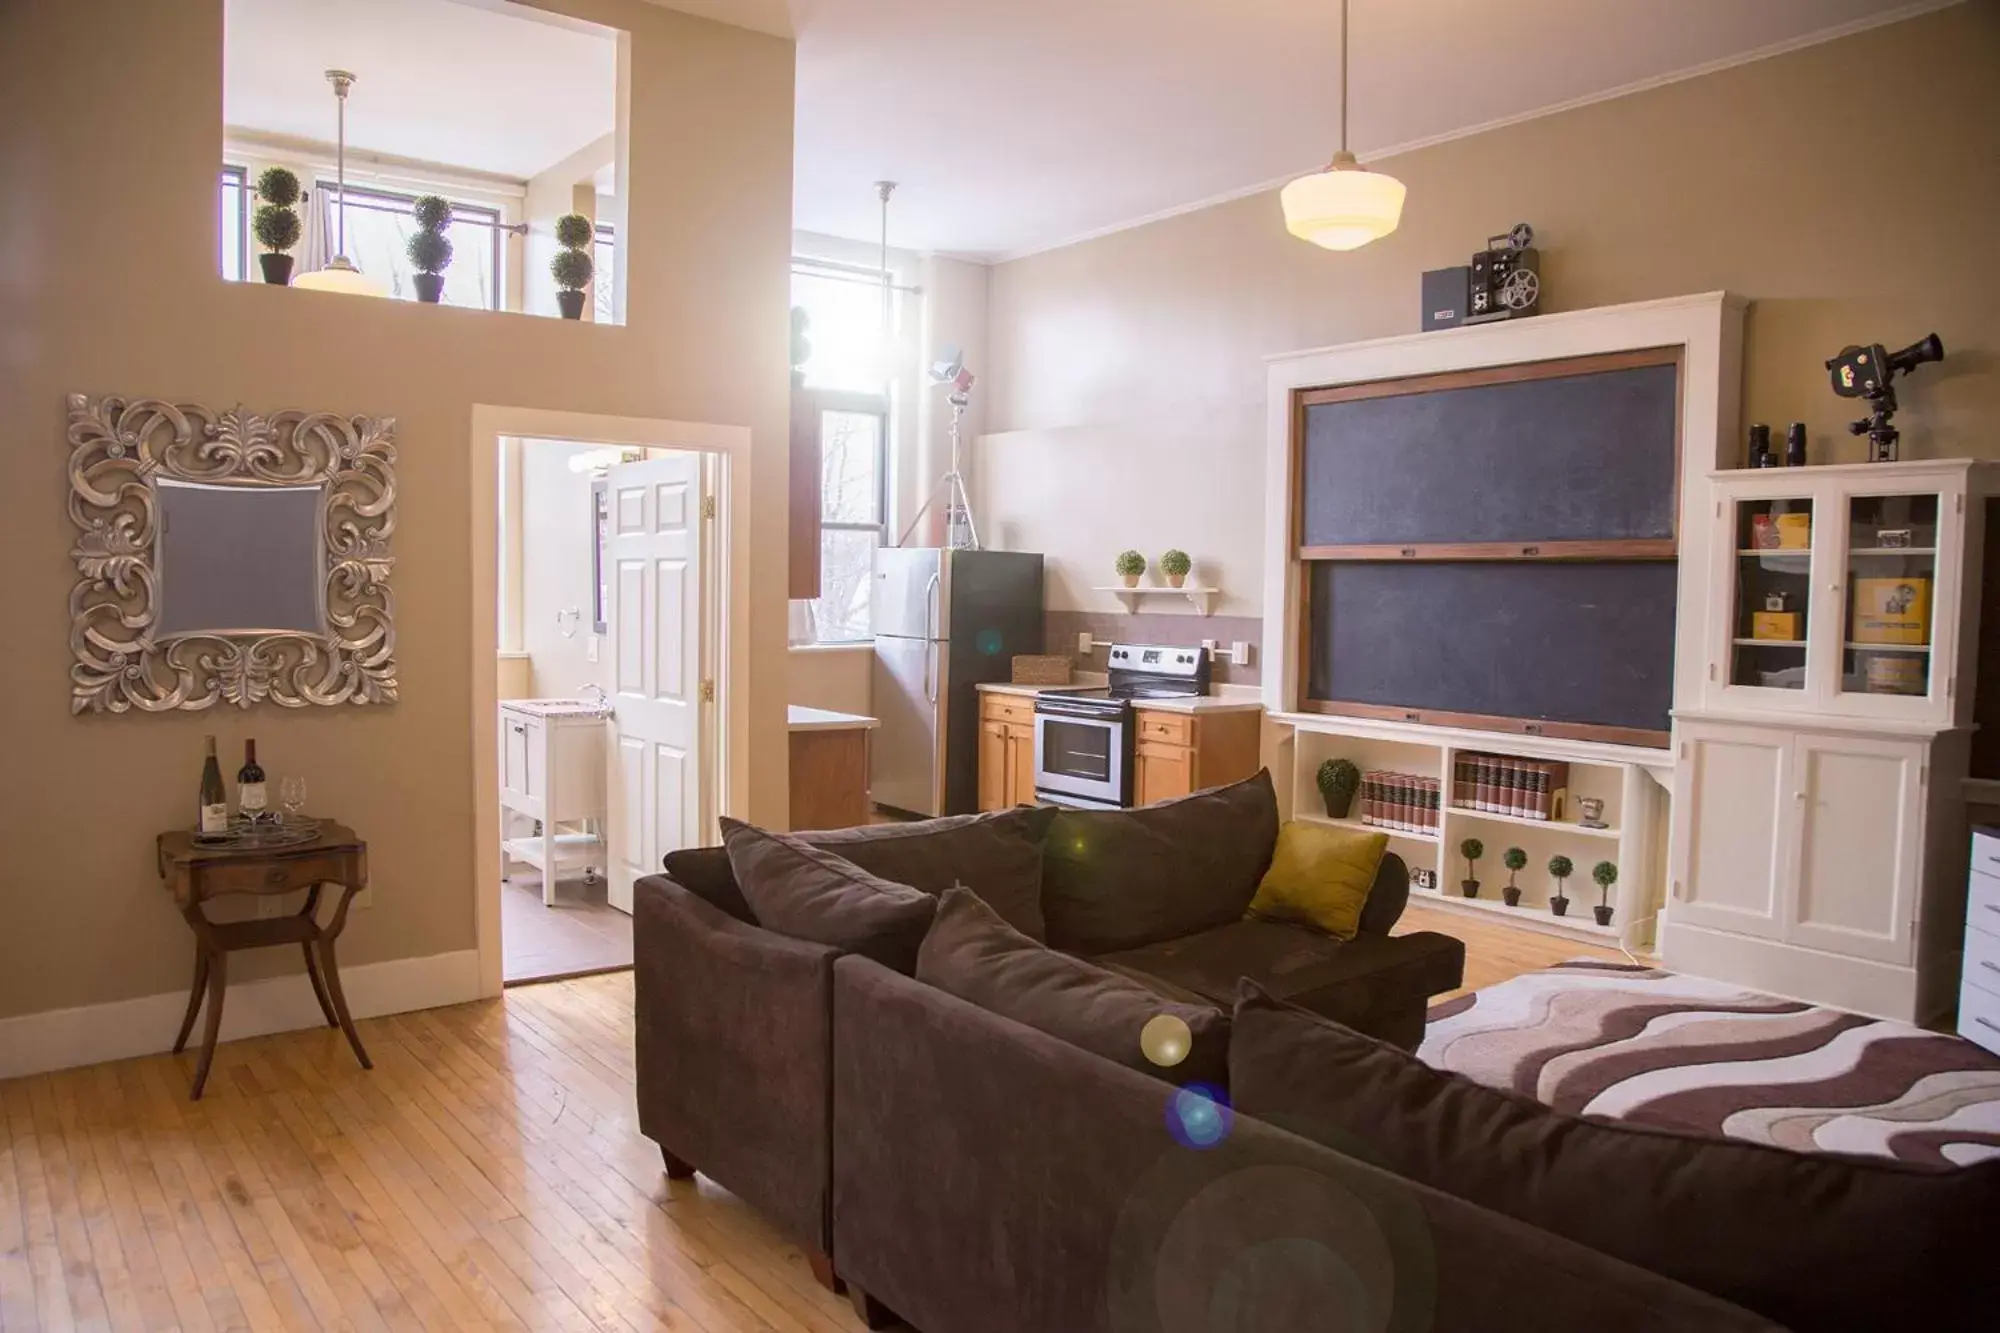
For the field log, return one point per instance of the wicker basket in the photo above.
(1041, 670)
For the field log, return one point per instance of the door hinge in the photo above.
(1711, 671)
(1718, 509)
(708, 691)
(708, 506)
(1951, 686)
(1677, 890)
(1923, 774)
(1684, 749)
(1959, 507)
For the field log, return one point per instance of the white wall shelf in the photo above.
(1538, 918)
(1394, 833)
(1202, 598)
(1566, 825)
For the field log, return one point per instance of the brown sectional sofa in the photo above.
(989, 1178)
(734, 1021)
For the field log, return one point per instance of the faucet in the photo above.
(596, 695)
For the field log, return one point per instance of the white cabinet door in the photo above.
(1860, 809)
(1732, 853)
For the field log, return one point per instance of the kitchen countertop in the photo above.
(800, 718)
(1229, 700)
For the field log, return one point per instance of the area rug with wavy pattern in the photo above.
(1649, 1046)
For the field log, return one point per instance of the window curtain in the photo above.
(317, 247)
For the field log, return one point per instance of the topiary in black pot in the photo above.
(571, 267)
(1516, 861)
(1471, 849)
(429, 248)
(1338, 780)
(1561, 867)
(1606, 874)
(275, 224)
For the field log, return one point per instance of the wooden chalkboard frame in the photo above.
(1622, 549)
(1663, 549)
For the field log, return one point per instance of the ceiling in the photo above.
(435, 80)
(1020, 125)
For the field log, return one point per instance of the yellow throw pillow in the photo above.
(1320, 876)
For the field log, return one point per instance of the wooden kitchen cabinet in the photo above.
(1180, 753)
(1175, 753)
(1006, 751)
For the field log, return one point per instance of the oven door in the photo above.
(1083, 759)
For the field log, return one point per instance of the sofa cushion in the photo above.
(1813, 1241)
(1320, 877)
(810, 894)
(1120, 879)
(705, 872)
(997, 856)
(1378, 984)
(973, 954)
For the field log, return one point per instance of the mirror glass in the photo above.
(239, 559)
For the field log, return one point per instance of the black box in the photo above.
(1444, 297)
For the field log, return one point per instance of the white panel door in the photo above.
(1860, 838)
(1732, 855)
(653, 620)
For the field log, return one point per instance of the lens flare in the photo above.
(1166, 1040)
(1198, 1116)
(989, 642)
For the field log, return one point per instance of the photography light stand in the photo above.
(960, 532)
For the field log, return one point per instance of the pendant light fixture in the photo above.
(340, 273)
(1342, 207)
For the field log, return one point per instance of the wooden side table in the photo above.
(196, 874)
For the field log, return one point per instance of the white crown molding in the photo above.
(1915, 9)
(121, 1029)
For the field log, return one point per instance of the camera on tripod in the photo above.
(1866, 372)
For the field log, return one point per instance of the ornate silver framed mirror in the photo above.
(227, 557)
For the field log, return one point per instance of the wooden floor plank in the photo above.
(488, 1173)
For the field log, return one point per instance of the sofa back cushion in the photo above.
(997, 856)
(811, 894)
(973, 954)
(1813, 1241)
(1122, 879)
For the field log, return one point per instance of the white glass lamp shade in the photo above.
(340, 275)
(1342, 207)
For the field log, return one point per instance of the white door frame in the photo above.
(727, 580)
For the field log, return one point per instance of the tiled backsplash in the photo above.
(1063, 627)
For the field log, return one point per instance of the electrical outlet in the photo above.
(1239, 652)
(590, 647)
(1210, 645)
(1084, 642)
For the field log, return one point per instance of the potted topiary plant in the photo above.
(1338, 780)
(1606, 874)
(571, 267)
(429, 248)
(1515, 860)
(275, 224)
(1561, 867)
(1471, 849)
(1130, 565)
(1175, 565)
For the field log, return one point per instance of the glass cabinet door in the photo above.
(1891, 581)
(1768, 622)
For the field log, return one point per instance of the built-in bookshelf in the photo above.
(1627, 780)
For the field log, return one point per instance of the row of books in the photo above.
(1499, 785)
(1403, 801)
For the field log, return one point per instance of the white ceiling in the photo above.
(1019, 124)
(435, 80)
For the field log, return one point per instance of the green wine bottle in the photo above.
(214, 801)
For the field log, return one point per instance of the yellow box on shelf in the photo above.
(1892, 610)
(1795, 531)
(1775, 625)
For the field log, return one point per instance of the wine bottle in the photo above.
(250, 786)
(214, 801)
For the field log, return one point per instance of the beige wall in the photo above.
(556, 568)
(119, 295)
(1850, 190)
(836, 676)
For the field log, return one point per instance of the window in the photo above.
(600, 283)
(233, 232)
(378, 230)
(853, 510)
(845, 386)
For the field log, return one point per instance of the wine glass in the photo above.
(292, 795)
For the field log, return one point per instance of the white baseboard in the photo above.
(90, 1034)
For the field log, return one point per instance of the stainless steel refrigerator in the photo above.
(944, 621)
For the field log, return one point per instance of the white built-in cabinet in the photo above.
(552, 783)
(1818, 835)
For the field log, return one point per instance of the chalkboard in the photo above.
(1586, 456)
(1588, 642)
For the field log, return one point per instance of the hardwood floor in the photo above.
(580, 935)
(1496, 951)
(489, 1173)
